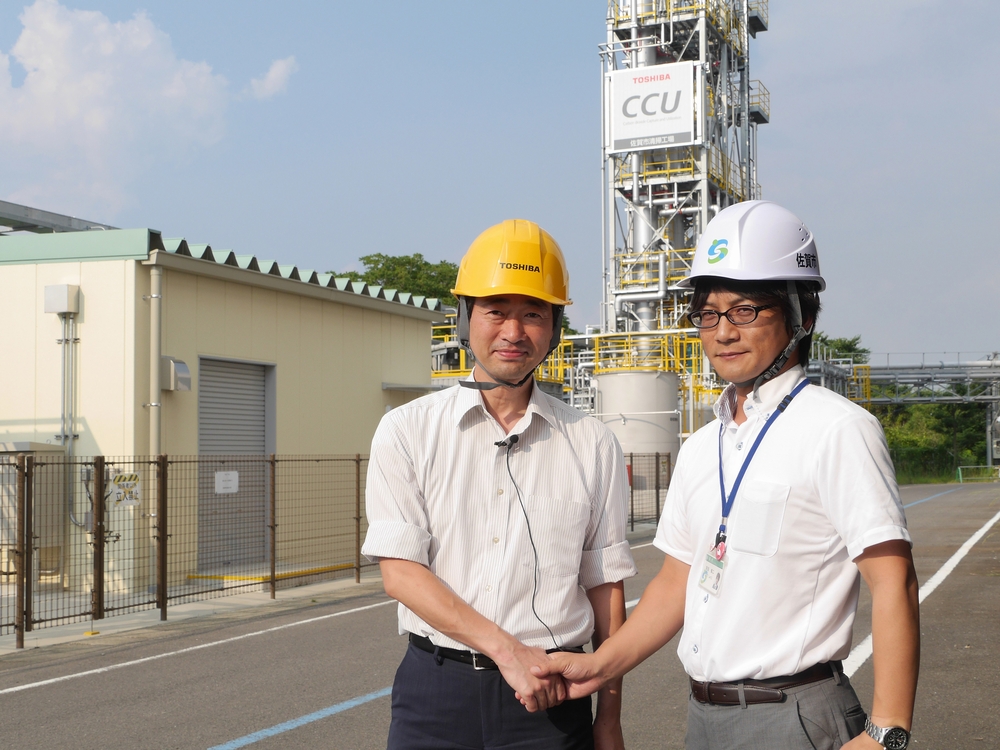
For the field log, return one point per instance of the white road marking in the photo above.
(640, 546)
(860, 653)
(132, 663)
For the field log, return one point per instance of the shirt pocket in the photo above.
(760, 509)
(558, 529)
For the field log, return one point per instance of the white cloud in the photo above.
(275, 81)
(100, 104)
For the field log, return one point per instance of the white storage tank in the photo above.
(636, 406)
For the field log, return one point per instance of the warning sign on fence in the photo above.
(124, 490)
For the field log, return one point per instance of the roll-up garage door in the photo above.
(231, 408)
(232, 477)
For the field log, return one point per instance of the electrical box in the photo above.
(62, 298)
(175, 375)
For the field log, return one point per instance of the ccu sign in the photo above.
(652, 107)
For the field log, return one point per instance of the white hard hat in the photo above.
(756, 241)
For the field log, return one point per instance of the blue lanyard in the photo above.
(727, 502)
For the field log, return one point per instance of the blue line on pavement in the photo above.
(910, 505)
(301, 721)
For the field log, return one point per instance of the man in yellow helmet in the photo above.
(497, 515)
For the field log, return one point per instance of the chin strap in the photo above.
(798, 333)
(480, 386)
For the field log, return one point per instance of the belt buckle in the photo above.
(475, 663)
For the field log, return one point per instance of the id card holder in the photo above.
(711, 574)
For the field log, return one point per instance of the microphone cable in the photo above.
(510, 443)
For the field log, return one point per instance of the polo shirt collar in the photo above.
(468, 399)
(766, 399)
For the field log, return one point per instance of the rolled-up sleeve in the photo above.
(397, 519)
(607, 557)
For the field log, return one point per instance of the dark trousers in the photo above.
(440, 704)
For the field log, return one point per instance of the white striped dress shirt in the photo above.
(439, 494)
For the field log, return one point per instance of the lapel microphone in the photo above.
(512, 441)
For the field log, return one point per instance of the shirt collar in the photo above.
(468, 399)
(764, 401)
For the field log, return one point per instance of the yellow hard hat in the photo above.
(514, 257)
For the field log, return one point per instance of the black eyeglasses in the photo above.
(740, 315)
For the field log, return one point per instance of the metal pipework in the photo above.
(646, 295)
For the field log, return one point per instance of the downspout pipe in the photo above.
(155, 347)
(68, 418)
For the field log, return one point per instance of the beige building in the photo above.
(254, 356)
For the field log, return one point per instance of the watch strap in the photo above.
(892, 738)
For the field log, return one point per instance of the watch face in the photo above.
(896, 739)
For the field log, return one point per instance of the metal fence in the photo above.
(649, 476)
(90, 537)
(977, 474)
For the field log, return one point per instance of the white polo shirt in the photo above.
(820, 489)
(438, 493)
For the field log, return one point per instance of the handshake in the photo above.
(542, 680)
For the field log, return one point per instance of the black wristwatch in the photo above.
(891, 738)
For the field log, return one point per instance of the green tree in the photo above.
(416, 275)
(408, 273)
(844, 348)
(964, 428)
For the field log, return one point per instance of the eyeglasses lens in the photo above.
(741, 315)
(704, 318)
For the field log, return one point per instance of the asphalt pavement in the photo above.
(312, 669)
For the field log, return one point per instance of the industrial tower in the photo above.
(679, 145)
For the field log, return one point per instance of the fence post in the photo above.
(357, 518)
(19, 558)
(29, 541)
(161, 535)
(658, 467)
(631, 489)
(97, 600)
(272, 521)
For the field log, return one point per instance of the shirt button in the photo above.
(489, 588)
(739, 446)
(706, 599)
(496, 540)
(695, 649)
(499, 492)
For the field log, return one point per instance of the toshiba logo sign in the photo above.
(519, 267)
(651, 107)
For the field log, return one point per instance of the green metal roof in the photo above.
(62, 247)
(139, 244)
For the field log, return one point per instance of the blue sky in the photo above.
(316, 132)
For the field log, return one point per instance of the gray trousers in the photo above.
(821, 716)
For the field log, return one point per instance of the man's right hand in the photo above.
(580, 672)
(536, 693)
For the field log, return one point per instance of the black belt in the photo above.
(760, 691)
(478, 661)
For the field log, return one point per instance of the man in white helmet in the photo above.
(775, 511)
(497, 515)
